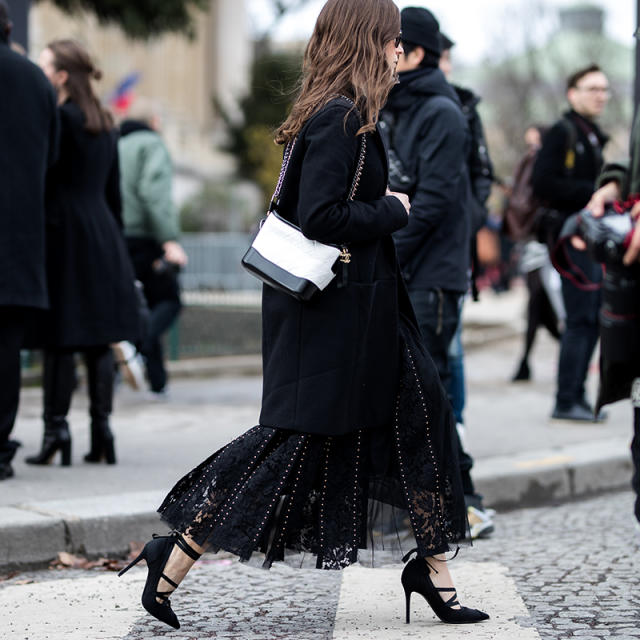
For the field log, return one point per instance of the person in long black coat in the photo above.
(90, 278)
(29, 141)
(353, 412)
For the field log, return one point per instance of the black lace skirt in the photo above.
(274, 491)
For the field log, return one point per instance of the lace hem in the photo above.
(273, 491)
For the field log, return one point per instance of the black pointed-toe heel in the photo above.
(415, 578)
(156, 552)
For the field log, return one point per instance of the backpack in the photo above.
(525, 215)
(522, 206)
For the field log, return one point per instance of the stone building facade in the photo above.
(181, 77)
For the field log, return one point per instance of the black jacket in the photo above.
(331, 364)
(554, 184)
(431, 137)
(28, 146)
(90, 278)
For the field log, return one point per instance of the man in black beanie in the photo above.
(428, 133)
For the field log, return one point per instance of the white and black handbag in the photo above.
(282, 257)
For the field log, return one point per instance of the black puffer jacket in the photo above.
(432, 139)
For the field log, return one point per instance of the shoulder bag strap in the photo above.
(288, 152)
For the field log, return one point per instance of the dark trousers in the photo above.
(59, 382)
(12, 331)
(161, 316)
(438, 315)
(581, 333)
(162, 292)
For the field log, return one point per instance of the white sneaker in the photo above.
(130, 363)
(480, 524)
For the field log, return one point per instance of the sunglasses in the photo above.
(398, 40)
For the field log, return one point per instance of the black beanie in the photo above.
(420, 27)
(446, 42)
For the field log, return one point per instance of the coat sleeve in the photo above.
(550, 181)
(112, 188)
(154, 189)
(442, 163)
(614, 172)
(54, 128)
(324, 212)
(480, 165)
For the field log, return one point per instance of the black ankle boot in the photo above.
(100, 378)
(56, 438)
(156, 552)
(58, 382)
(415, 577)
(102, 444)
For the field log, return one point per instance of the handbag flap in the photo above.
(285, 245)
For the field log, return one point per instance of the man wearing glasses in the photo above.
(564, 178)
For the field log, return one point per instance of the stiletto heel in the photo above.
(156, 552)
(415, 577)
(132, 563)
(407, 595)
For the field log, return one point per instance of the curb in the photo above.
(35, 533)
(476, 336)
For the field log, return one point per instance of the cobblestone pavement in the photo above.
(576, 566)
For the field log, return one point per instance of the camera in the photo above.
(607, 237)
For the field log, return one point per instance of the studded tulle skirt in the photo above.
(282, 492)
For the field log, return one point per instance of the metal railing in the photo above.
(214, 262)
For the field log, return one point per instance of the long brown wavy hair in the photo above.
(70, 56)
(345, 55)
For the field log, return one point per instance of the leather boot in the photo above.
(58, 383)
(100, 372)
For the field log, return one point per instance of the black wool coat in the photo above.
(90, 277)
(331, 363)
(28, 146)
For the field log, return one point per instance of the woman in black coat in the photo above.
(353, 413)
(90, 280)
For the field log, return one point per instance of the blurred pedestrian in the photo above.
(481, 177)
(564, 177)
(430, 134)
(90, 278)
(29, 135)
(348, 387)
(545, 306)
(151, 227)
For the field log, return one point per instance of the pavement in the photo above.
(523, 459)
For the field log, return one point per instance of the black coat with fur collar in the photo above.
(330, 364)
